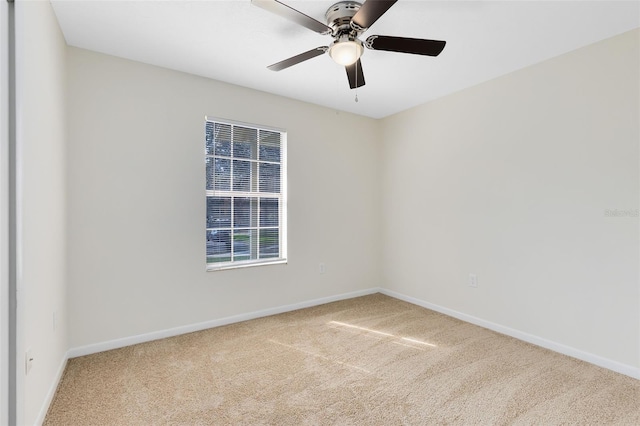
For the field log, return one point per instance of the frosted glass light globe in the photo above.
(345, 52)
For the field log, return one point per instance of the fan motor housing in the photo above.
(339, 17)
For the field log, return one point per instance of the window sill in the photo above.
(241, 265)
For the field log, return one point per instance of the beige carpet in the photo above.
(372, 360)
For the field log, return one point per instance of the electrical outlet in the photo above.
(322, 268)
(473, 280)
(28, 361)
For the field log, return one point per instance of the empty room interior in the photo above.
(494, 184)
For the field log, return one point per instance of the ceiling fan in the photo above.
(346, 21)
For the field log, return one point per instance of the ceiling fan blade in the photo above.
(369, 13)
(298, 58)
(292, 14)
(416, 46)
(355, 75)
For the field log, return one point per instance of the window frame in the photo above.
(282, 197)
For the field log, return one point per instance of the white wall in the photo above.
(41, 134)
(137, 207)
(510, 180)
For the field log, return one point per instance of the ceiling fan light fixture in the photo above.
(346, 52)
(346, 21)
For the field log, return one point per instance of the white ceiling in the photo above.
(233, 41)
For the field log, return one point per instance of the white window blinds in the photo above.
(246, 194)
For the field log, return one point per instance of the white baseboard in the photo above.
(618, 367)
(161, 334)
(52, 391)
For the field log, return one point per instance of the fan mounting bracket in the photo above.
(339, 18)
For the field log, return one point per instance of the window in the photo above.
(246, 194)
